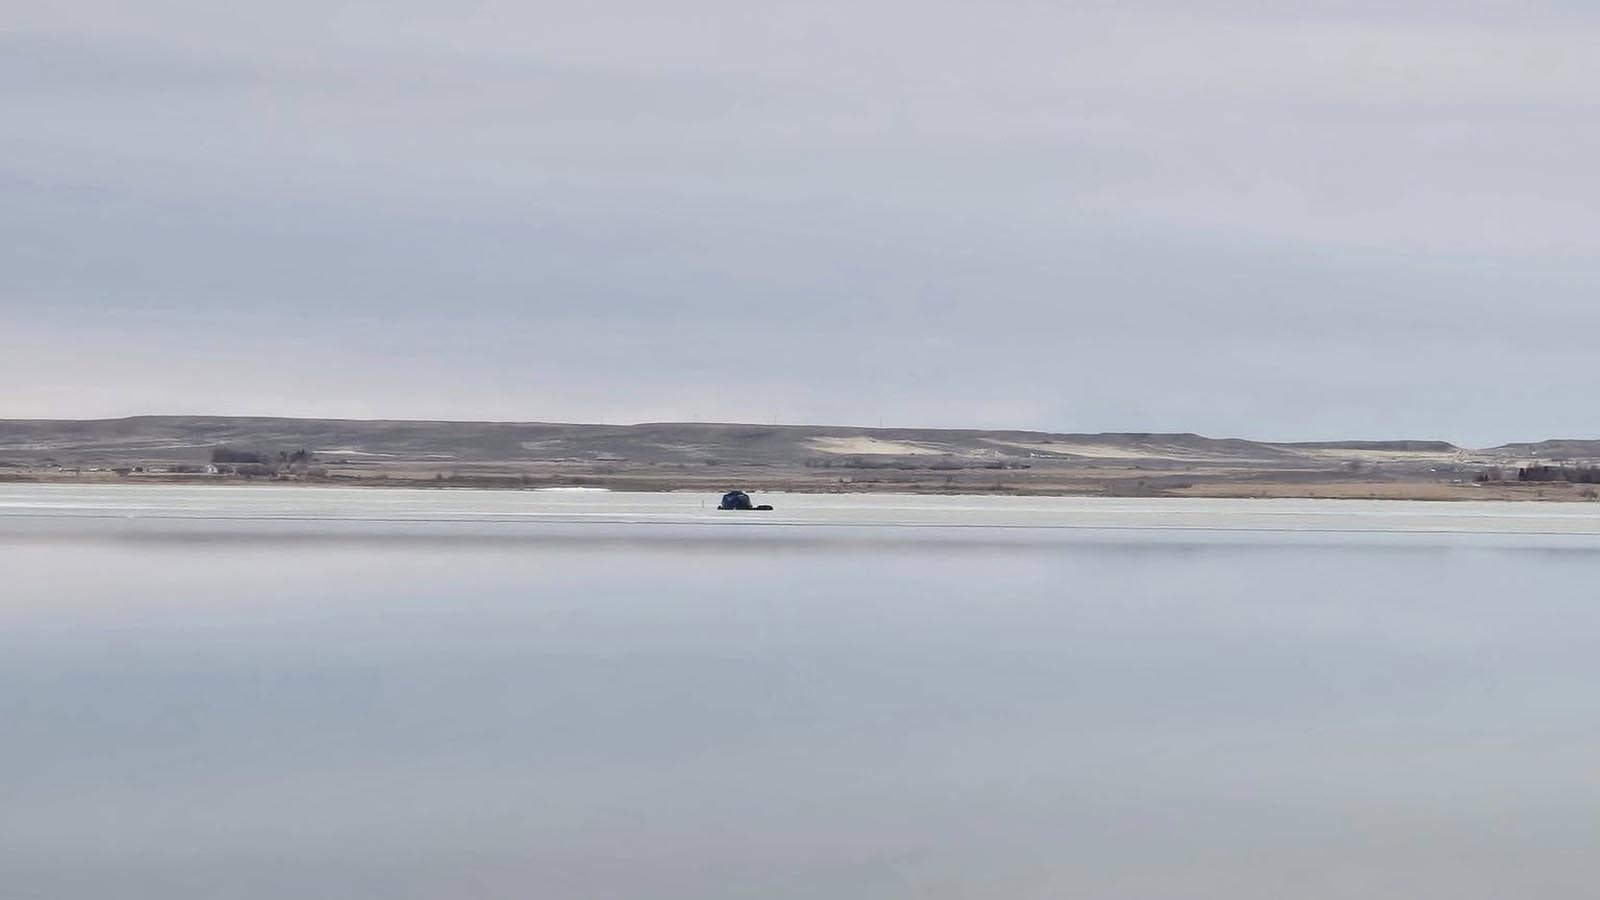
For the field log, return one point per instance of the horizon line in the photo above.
(753, 424)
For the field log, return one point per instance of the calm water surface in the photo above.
(230, 693)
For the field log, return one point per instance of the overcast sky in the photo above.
(1375, 218)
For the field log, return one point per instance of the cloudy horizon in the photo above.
(1347, 220)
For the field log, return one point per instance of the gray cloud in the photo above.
(1330, 220)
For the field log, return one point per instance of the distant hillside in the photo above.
(1556, 451)
(192, 438)
(1380, 446)
(690, 455)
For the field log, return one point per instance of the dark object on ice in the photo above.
(738, 500)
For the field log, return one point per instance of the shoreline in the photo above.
(1403, 491)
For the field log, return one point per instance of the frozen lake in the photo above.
(267, 692)
(375, 506)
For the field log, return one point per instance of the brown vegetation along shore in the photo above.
(713, 457)
(766, 482)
